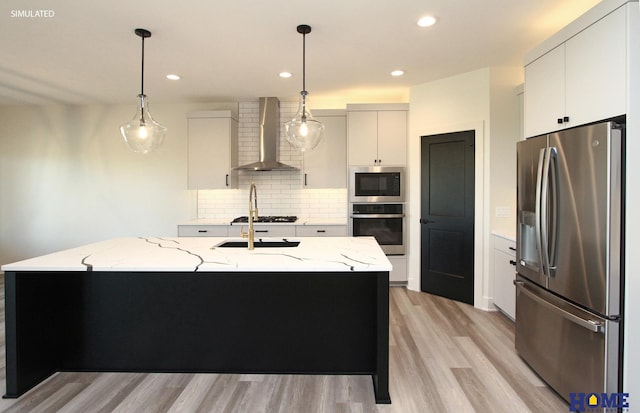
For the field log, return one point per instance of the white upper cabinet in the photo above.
(377, 134)
(544, 93)
(212, 149)
(596, 70)
(392, 137)
(326, 165)
(579, 81)
(363, 138)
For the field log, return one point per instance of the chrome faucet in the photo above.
(253, 215)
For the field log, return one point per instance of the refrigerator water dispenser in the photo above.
(528, 246)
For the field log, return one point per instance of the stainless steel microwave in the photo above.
(376, 184)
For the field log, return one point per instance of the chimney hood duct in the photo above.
(269, 123)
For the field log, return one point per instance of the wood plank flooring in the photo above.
(445, 356)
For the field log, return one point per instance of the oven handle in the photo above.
(377, 216)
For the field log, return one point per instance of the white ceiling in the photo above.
(234, 49)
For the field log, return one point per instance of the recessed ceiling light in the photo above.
(173, 77)
(426, 21)
(285, 74)
(397, 73)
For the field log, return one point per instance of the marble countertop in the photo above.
(190, 254)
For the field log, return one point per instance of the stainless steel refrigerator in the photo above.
(569, 257)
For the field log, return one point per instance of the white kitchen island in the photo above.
(187, 305)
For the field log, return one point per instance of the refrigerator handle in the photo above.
(538, 229)
(544, 214)
(552, 221)
(591, 325)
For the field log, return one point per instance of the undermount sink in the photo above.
(259, 244)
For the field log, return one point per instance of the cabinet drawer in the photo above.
(321, 231)
(203, 231)
(264, 230)
(505, 245)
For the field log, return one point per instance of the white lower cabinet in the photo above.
(504, 273)
(268, 230)
(321, 230)
(399, 272)
(203, 230)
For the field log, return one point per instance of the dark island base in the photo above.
(233, 322)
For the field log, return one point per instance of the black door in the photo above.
(447, 212)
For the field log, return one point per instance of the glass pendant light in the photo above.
(304, 132)
(142, 133)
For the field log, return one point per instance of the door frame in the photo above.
(481, 235)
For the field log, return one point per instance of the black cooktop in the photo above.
(268, 219)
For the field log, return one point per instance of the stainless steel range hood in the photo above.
(269, 123)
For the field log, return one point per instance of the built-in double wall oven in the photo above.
(376, 204)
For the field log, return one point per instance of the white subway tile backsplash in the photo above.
(279, 192)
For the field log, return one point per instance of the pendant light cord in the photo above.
(304, 69)
(142, 69)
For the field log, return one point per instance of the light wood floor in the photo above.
(444, 357)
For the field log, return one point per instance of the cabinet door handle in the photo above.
(512, 262)
(512, 248)
(226, 179)
(305, 179)
(321, 230)
(559, 121)
(261, 230)
(202, 230)
(566, 119)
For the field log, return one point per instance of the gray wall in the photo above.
(67, 178)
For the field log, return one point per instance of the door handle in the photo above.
(426, 221)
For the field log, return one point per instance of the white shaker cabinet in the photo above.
(579, 81)
(321, 231)
(212, 149)
(504, 273)
(377, 134)
(203, 230)
(326, 165)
